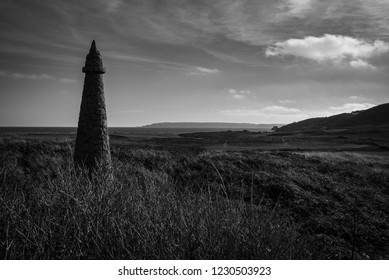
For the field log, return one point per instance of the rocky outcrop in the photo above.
(92, 142)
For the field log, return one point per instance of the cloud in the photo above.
(286, 101)
(296, 8)
(349, 107)
(337, 49)
(359, 63)
(15, 75)
(148, 60)
(203, 71)
(239, 94)
(113, 5)
(281, 110)
(225, 28)
(229, 57)
(163, 64)
(30, 76)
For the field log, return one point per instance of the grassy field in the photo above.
(186, 202)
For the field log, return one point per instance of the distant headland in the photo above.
(216, 125)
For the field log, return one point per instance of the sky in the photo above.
(256, 61)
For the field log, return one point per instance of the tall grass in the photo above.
(187, 204)
(148, 210)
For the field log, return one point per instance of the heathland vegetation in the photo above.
(377, 116)
(181, 202)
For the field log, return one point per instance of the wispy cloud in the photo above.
(143, 59)
(336, 49)
(158, 63)
(286, 101)
(296, 8)
(113, 5)
(281, 110)
(239, 94)
(355, 97)
(15, 75)
(204, 25)
(348, 107)
(203, 71)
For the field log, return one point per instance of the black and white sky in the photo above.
(258, 61)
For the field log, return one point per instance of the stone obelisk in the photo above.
(92, 142)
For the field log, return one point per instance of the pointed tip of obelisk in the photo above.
(93, 48)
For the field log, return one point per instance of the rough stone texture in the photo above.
(92, 142)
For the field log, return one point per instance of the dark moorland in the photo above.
(318, 194)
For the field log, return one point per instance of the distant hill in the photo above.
(209, 125)
(316, 123)
(376, 116)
